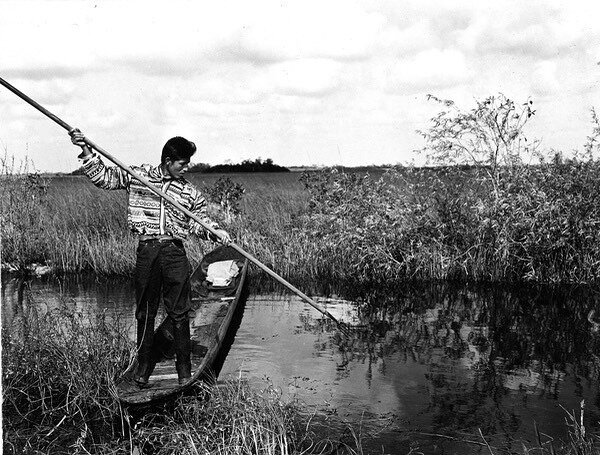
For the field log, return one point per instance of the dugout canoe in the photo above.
(213, 311)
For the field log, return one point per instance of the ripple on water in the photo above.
(435, 360)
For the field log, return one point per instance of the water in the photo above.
(437, 363)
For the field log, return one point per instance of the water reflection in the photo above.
(454, 358)
(490, 329)
(77, 294)
(429, 359)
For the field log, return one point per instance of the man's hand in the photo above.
(78, 139)
(224, 236)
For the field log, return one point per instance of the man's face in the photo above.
(177, 168)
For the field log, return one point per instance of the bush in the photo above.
(227, 194)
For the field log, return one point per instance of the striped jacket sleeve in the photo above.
(105, 177)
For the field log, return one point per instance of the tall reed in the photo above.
(23, 196)
(58, 374)
(539, 224)
(70, 228)
(236, 420)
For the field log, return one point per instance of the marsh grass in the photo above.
(581, 441)
(58, 373)
(482, 214)
(234, 419)
(533, 224)
(70, 228)
(86, 229)
(22, 196)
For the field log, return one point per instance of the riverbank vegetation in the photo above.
(480, 212)
(59, 368)
(58, 371)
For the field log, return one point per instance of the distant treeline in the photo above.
(257, 165)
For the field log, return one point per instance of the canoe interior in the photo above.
(213, 309)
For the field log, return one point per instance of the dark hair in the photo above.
(178, 148)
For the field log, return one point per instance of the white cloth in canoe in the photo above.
(221, 273)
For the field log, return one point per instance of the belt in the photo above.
(145, 239)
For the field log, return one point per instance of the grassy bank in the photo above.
(443, 223)
(482, 214)
(57, 377)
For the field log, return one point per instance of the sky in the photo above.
(301, 82)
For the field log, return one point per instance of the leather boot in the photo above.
(145, 355)
(183, 348)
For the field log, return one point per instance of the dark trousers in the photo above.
(162, 270)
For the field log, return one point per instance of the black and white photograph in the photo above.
(300, 227)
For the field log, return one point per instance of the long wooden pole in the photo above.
(172, 201)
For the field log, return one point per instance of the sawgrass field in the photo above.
(539, 225)
(480, 212)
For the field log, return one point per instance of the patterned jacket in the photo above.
(147, 213)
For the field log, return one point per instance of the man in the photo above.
(162, 267)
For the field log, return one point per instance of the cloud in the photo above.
(44, 44)
(536, 29)
(544, 79)
(289, 75)
(225, 86)
(416, 37)
(66, 39)
(54, 92)
(430, 69)
(42, 71)
(335, 30)
(179, 37)
(305, 77)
